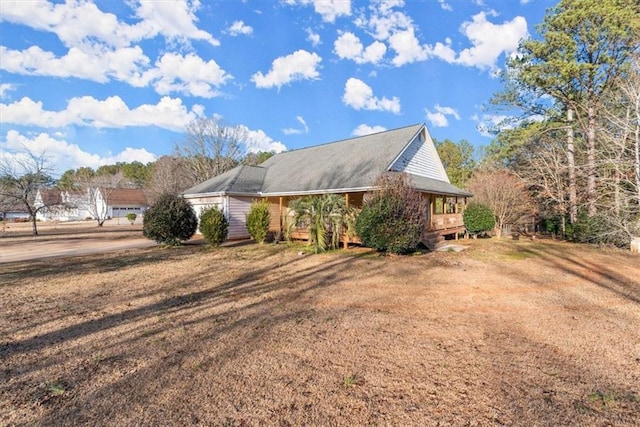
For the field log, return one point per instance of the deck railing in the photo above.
(446, 221)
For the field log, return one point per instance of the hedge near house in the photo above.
(258, 220)
(478, 219)
(171, 220)
(214, 226)
(392, 217)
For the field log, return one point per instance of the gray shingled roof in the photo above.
(347, 164)
(434, 186)
(339, 166)
(241, 179)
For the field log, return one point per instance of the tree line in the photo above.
(209, 148)
(574, 137)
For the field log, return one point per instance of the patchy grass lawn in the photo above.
(509, 332)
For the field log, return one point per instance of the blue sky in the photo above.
(92, 83)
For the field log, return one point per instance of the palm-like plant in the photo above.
(322, 215)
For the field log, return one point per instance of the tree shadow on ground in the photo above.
(598, 273)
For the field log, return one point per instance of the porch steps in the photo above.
(432, 239)
(435, 238)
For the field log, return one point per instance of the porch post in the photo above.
(431, 210)
(280, 214)
(345, 243)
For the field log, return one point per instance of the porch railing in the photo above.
(446, 221)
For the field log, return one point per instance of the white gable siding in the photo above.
(421, 158)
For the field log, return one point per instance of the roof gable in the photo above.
(421, 158)
(353, 163)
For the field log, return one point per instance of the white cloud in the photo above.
(257, 140)
(101, 48)
(443, 51)
(175, 20)
(384, 21)
(297, 131)
(407, 48)
(63, 155)
(444, 5)
(188, 74)
(349, 46)
(5, 88)
(364, 129)
(328, 9)
(91, 63)
(300, 65)
(168, 113)
(490, 40)
(359, 95)
(80, 22)
(240, 28)
(313, 37)
(488, 122)
(439, 116)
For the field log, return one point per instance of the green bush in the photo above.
(258, 220)
(325, 217)
(478, 219)
(170, 220)
(214, 226)
(131, 217)
(393, 217)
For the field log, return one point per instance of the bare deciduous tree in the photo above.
(170, 175)
(21, 176)
(96, 192)
(619, 159)
(504, 193)
(211, 147)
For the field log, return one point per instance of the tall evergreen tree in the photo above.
(584, 46)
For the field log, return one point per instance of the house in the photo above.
(105, 203)
(121, 201)
(60, 205)
(348, 167)
(14, 213)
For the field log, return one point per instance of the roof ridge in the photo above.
(353, 138)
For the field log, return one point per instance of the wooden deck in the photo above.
(446, 222)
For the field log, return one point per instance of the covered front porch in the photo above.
(444, 218)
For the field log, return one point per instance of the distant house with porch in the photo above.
(348, 167)
(65, 205)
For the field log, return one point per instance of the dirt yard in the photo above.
(503, 333)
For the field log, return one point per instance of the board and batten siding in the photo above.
(421, 158)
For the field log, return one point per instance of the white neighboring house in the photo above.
(93, 204)
(63, 205)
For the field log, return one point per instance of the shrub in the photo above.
(393, 217)
(325, 217)
(478, 219)
(131, 217)
(170, 220)
(258, 220)
(214, 226)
